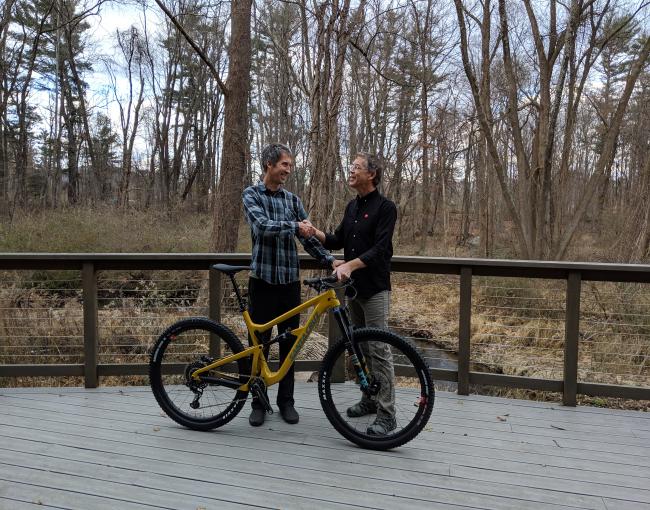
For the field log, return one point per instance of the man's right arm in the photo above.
(259, 221)
(335, 240)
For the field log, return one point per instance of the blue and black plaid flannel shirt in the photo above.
(273, 218)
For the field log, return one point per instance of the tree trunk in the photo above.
(227, 211)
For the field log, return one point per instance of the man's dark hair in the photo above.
(374, 164)
(272, 153)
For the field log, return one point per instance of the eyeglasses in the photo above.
(356, 168)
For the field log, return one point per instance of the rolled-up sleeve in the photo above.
(312, 245)
(335, 240)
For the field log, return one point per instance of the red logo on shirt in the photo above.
(365, 215)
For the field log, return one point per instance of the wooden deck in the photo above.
(110, 448)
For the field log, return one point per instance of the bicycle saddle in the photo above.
(230, 270)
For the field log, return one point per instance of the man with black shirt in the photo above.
(365, 234)
(276, 217)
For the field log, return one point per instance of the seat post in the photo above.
(242, 305)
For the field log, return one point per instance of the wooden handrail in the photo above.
(573, 272)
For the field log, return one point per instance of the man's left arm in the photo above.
(383, 237)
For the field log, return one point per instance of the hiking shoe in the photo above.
(362, 408)
(382, 426)
(257, 417)
(289, 414)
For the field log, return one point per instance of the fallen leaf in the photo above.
(501, 418)
(156, 429)
(556, 427)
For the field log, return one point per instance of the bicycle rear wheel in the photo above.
(183, 348)
(402, 406)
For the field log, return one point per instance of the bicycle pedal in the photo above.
(257, 389)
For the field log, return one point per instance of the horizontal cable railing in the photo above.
(574, 328)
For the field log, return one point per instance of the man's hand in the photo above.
(336, 263)
(343, 271)
(306, 229)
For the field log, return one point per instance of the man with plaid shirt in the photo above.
(276, 217)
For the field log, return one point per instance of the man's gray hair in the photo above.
(272, 153)
(374, 165)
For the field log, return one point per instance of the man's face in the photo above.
(277, 174)
(359, 176)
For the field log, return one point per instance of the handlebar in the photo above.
(326, 282)
(326, 279)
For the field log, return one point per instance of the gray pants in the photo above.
(373, 313)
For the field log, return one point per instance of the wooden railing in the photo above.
(573, 273)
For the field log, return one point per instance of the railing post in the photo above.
(333, 334)
(214, 309)
(571, 334)
(89, 289)
(464, 329)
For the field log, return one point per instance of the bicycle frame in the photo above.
(259, 366)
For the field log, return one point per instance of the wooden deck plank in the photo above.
(604, 465)
(149, 410)
(171, 495)
(20, 493)
(356, 491)
(604, 460)
(431, 428)
(612, 434)
(539, 455)
(336, 474)
(633, 477)
(16, 504)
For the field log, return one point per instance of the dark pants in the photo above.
(265, 303)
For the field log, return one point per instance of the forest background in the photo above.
(509, 128)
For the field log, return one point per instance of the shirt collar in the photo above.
(369, 196)
(263, 189)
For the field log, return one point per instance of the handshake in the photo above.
(307, 230)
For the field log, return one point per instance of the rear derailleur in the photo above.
(195, 386)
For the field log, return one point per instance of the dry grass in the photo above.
(518, 329)
(105, 230)
(516, 326)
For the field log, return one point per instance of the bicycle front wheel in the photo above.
(404, 392)
(183, 348)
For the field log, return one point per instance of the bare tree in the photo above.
(234, 152)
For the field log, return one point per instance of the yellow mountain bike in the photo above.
(201, 374)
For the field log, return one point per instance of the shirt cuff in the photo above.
(329, 240)
(366, 259)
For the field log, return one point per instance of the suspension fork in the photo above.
(356, 355)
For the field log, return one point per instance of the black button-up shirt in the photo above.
(366, 232)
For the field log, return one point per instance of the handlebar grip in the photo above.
(330, 279)
(311, 281)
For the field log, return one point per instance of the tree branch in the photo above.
(195, 47)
